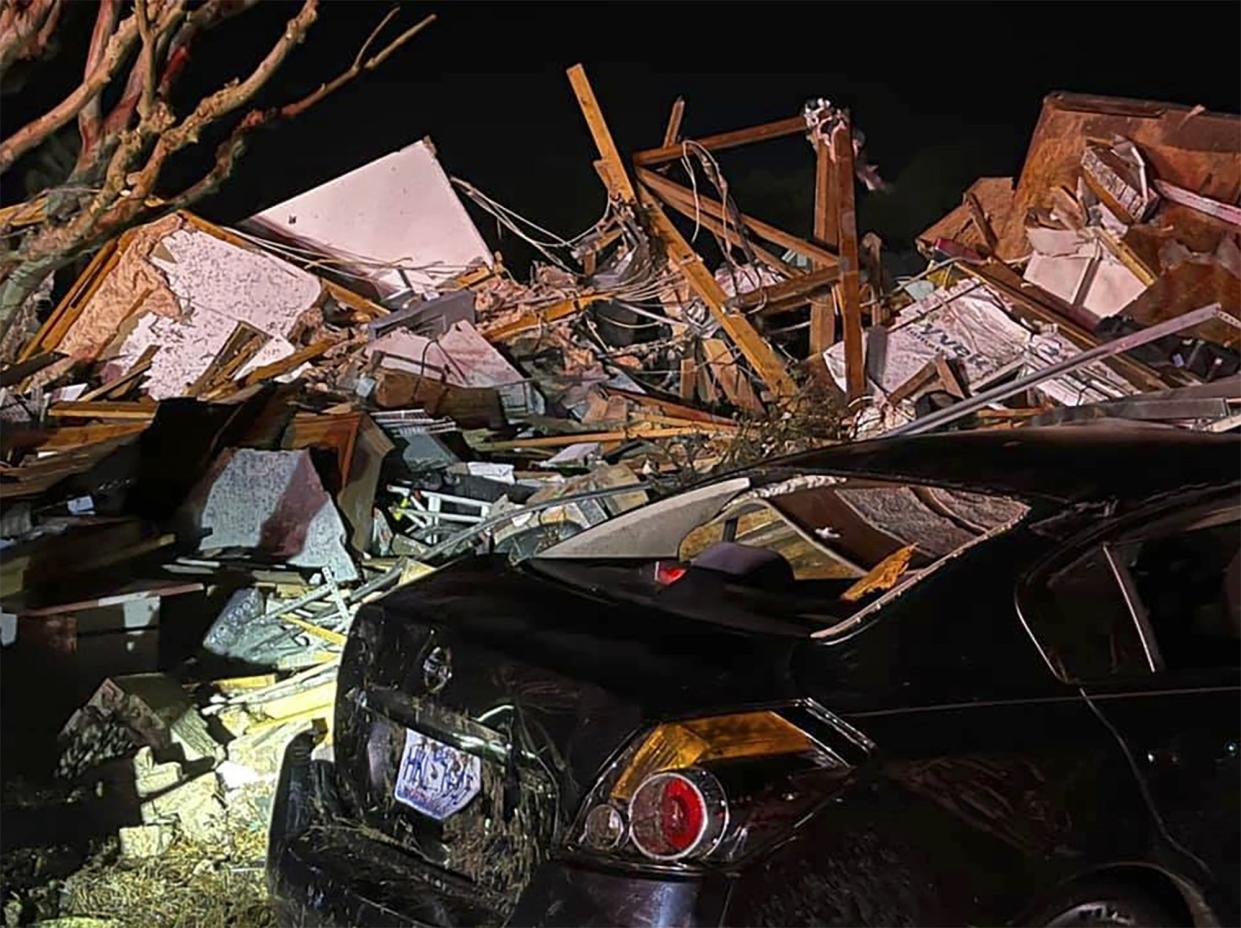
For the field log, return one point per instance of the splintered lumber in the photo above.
(122, 383)
(673, 131)
(619, 185)
(667, 407)
(292, 362)
(981, 222)
(536, 318)
(730, 378)
(786, 295)
(667, 189)
(768, 130)
(358, 303)
(735, 325)
(823, 309)
(849, 287)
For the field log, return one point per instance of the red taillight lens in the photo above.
(677, 814)
(669, 572)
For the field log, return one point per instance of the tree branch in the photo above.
(147, 59)
(25, 29)
(290, 110)
(223, 101)
(229, 151)
(89, 117)
(114, 55)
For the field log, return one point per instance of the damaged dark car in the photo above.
(977, 678)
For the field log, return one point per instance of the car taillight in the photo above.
(677, 814)
(669, 572)
(718, 787)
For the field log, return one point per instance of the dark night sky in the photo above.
(944, 92)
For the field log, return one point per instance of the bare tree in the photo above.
(115, 181)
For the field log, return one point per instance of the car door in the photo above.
(1159, 666)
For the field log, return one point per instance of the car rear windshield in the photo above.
(804, 554)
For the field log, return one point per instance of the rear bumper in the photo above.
(320, 871)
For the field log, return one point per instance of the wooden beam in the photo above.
(599, 130)
(731, 236)
(736, 326)
(787, 294)
(823, 309)
(672, 133)
(715, 209)
(768, 130)
(848, 288)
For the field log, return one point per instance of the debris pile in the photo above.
(221, 442)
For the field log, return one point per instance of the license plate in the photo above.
(436, 778)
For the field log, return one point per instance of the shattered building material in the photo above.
(238, 411)
(394, 224)
(274, 503)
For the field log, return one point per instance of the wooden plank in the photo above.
(118, 384)
(731, 236)
(823, 310)
(292, 362)
(689, 379)
(736, 326)
(14, 373)
(599, 130)
(536, 318)
(103, 409)
(68, 437)
(358, 303)
(723, 140)
(668, 407)
(948, 377)
(74, 301)
(848, 287)
(715, 209)
(158, 591)
(787, 294)
(730, 378)
(672, 133)
(923, 376)
(981, 222)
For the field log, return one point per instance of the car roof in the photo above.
(1067, 463)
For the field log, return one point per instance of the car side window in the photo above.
(1187, 584)
(1160, 598)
